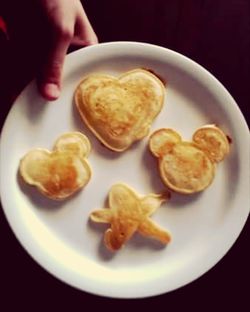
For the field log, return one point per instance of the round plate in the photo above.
(59, 236)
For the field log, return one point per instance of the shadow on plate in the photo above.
(34, 109)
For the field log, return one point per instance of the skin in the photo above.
(69, 25)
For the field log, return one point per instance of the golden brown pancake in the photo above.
(120, 111)
(188, 167)
(213, 141)
(162, 141)
(61, 172)
(128, 213)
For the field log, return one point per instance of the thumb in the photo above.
(49, 81)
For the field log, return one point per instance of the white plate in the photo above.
(59, 235)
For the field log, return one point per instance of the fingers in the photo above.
(49, 82)
(67, 29)
(84, 33)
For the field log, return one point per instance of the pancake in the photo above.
(120, 110)
(162, 141)
(213, 141)
(186, 169)
(59, 173)
(189, 167)
(129, 213)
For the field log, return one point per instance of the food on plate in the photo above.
(59, 173)
(129, 213)
(189, 167)
(212, 141)
(120, 110)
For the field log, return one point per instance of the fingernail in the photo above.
(51, 91)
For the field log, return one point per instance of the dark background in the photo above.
(216, 34)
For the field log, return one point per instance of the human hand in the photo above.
(69, 24)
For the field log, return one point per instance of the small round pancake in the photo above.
(186, 169)
(162, 141)
(212, 141)
(74, 142)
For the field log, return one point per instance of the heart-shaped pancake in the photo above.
(61, 172)
(120, 111)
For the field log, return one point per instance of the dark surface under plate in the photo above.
(216, 34)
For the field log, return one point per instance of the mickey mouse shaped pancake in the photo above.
(189, 167)
(61, 172)
(120, 110)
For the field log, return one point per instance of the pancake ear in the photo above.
(162, 141)
(74, 142)
(213, 141)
